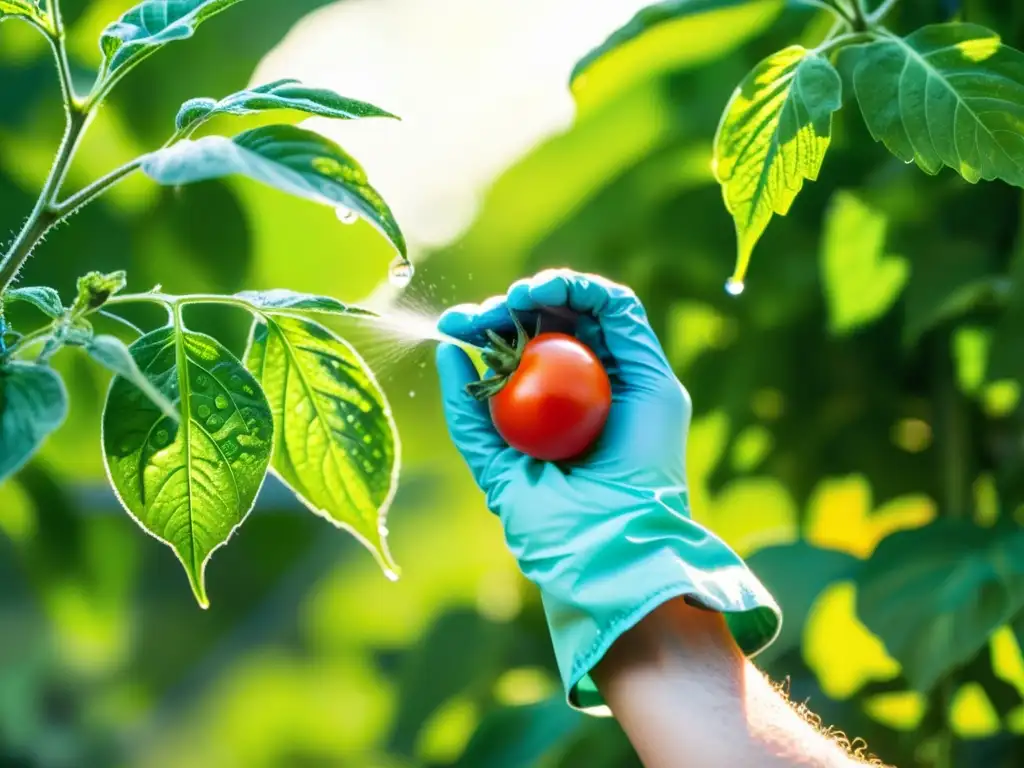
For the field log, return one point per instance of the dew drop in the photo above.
(201, 380)
(221, 402)
(203, 411)
(247, 441)
(412, 393)
(734, 287)
(160, 438)
(390, 575)
(214, 422)
(400, 272)
(346, 215)
(367, 439)
(350, 418)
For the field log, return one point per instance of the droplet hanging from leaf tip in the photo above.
(734, 287)
(400, 272)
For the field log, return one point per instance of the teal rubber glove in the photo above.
(607, 538)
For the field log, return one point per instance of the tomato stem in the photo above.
(502, 358)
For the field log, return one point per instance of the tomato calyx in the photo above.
(503, 360)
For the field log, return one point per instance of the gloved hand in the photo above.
(608, 538)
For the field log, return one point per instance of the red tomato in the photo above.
(554, 405)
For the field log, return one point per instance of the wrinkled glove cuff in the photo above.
(692, 562)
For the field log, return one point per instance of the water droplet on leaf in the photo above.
(214, 422)
(412, 393)
(160, 438)
(734, 287)
(203, 411)
(390, 575)
(221, 402)
(346, 215)
(201, 380)
(400, 272)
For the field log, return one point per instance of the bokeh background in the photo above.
(867, 381)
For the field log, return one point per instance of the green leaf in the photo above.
(335, 441)
(189, 482)
(861, 281)
(33, 403)
(43, 298)
(291, 159)
(665, 37)
(284, 301)
(773, 135)
(946, 95)
(114, 355)
(150, 25)
(25, 9)
(280, 94)
(935, 594)
(783, 570)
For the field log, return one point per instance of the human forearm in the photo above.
(687, 698)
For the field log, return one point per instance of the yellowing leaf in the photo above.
(861, 281)
(773, 135)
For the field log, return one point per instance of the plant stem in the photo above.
(858, 16)
(833, 8)
(42, 216)
(60, 55)
(881, 12)
(87, 194)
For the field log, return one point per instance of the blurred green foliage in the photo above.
(867, 383)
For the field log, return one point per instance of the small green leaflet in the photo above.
(33, 403)
(861, 280)
(25, 9)
(946, 95)
(114, 355)
(152, 24)
(189, 482)
(280, 94)
(934, 595)
(291, 159)
(43, 298)
(774, 134)
(335, 441)
(283, 300)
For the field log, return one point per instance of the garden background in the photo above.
(866, 383)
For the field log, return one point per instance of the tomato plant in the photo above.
(190, 429)
(549, 395)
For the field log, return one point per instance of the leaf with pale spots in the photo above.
(946, 95)
(773, 135)
(291, 159)
(189, 482)
(335, 441)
